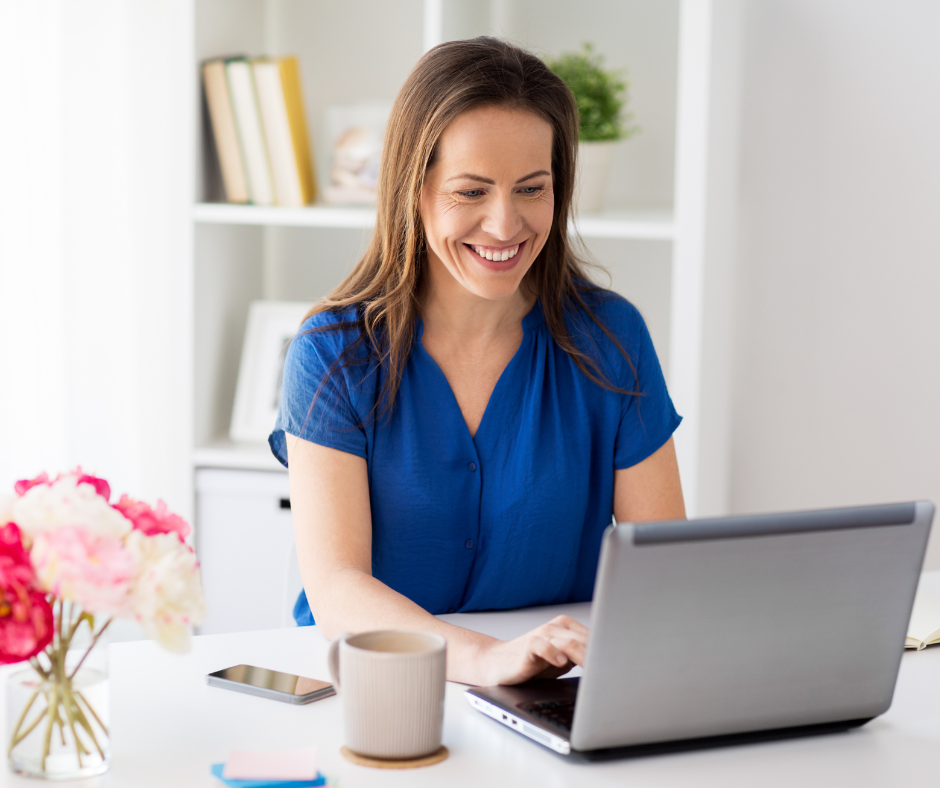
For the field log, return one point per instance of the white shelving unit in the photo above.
(665, 239)
(613, 224)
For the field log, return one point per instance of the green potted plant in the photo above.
(602, 95)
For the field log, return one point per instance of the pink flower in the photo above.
(93, 571)
(25, 614)
(15, 568)
(152, 521)
(23, 485)
(101, 486)
(25, 625)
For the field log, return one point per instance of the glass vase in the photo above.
(57, 716)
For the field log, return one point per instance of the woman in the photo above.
(463, 415)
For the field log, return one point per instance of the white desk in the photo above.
(168, 726)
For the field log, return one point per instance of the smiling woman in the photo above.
(463, 415)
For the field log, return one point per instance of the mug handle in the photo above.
(333, 658)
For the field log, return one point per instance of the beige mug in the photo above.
(391, 684)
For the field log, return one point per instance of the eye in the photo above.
(471, 193)
(531, 191)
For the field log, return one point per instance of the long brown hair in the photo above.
(447, 81)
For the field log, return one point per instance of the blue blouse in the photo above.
(513, 516)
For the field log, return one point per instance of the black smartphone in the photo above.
(271, 684)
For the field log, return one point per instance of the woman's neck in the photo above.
(454, 315)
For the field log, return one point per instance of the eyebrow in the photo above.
(471, 177)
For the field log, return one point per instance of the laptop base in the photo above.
(709, 742)
(511, 699)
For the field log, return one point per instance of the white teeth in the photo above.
(506, 254)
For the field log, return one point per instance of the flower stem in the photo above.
(50, 707)
(19, 722)
(88, 706)
(67, 702)
(93, 642)
(29, 730)
(83, 721)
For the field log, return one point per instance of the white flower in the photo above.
(48, 507)
(167, 593)
(6, 508)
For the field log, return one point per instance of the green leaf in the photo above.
(601, 94)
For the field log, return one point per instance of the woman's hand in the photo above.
(546, 652)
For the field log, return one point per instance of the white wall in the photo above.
(837, 355)
(94, 294)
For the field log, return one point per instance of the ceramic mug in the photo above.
(391, 684)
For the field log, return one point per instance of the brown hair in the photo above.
(447, 81)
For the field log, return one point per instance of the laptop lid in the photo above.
(717, 626)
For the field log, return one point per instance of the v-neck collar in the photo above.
(532, 319)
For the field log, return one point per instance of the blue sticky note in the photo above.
(217, 772)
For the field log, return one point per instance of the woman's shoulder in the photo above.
(344, 318)
(331, 332)
(618, 315)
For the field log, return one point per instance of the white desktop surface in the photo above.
(168, 726)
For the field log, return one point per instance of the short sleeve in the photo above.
(320, 392)
(647, 417)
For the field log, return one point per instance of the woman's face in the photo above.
(487, 201)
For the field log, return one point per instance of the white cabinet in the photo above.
(245, 543)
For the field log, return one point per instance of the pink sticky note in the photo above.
(272, 765)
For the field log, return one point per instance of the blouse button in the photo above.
(472, 466)
(469, 544)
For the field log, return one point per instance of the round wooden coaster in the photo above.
(384, 763)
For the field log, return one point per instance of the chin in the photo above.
(495, 288)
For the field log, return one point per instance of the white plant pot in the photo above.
(594, 160)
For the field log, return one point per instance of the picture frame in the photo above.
(270, 328)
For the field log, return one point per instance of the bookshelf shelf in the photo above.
(341, 217)
(636, 225)
(228, 455)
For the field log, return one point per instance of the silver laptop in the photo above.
(714, 631)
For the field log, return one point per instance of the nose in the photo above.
(502, 220)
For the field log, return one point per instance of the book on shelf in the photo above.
(225, 132)
(282, 116)
(241, 84)
(260, 130)
(924, 627)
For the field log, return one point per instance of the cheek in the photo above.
(446, 221)
(542, 214)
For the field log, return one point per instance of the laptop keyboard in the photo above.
(558, 712)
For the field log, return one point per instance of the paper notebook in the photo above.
(217, 772)
(924, 628)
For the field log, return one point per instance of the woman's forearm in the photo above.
(349, 600)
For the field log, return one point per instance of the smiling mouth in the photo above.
(496, 254)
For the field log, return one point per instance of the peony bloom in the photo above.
(6, 508)
(68, 501)
(25, 615)
(89, 569)
(24, 485)
(101, 486)
(167, 595)
(152, 521)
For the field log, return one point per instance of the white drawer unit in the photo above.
(245, 543)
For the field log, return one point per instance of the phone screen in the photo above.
(274, 680)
